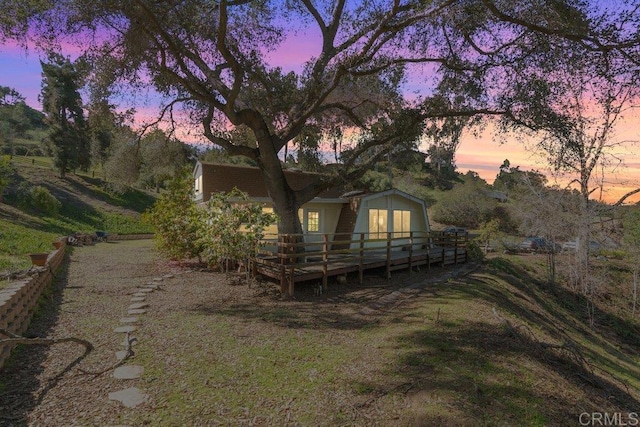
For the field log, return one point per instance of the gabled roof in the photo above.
(219, 177)
(394, 192)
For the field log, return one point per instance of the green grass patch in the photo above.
(85, 205)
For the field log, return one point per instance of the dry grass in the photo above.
(215, 352)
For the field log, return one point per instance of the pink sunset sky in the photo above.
(20, 69)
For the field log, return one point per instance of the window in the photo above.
(272, 230)
(313, 221)
(198, 184)
(377, 223)
(401, 223)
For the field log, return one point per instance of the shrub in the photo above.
(6, 174)
(176, 219)
(232, 229)
(44, 201)
(474, 252)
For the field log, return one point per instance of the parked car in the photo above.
(455, 230)
(537, 244)
(572, 245)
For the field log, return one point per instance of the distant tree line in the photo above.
(81, 137)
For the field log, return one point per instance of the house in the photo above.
(340, 215)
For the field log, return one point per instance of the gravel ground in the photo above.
(44, 385)
(51, 386)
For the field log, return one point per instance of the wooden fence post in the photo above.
(410, 252)
(325, 259)
(388, 255)
(361, 260)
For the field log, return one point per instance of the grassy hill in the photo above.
(85, 206)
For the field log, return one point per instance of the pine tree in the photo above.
(61, 101)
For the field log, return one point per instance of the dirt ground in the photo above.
(57, 385)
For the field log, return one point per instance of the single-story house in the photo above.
(334, 212)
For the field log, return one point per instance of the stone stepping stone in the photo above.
(151, 286)
(128, 319)
(144, 290)
(138, 305)
(168, 276)
(137, 299)
(125, 329)
(130, 397)
(128, 372)
(139, 294)
(136, 311)
(158, 279)
(129, 342)
(120, 355)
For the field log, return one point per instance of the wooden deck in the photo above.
(298, 259)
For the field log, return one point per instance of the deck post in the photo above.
(455, 249)
(292, 261)
(388, 255)
(325, 259)
(410, 252)
(283, 280)
(361, 260)
(429, 243)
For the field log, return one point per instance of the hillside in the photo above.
(490, 345)
(86, 205)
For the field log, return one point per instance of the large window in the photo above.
(401, 223)
(272, 230)
(377, 223)
(313, 221)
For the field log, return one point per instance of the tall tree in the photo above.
(62, 104)
(216, 59)
(162, 157)
(574, 122)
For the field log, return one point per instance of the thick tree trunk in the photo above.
(284, 199)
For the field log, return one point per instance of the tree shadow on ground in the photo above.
(474, 363)
(344, 306)
(474, 360)
(20, 387)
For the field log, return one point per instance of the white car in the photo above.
(572, 245)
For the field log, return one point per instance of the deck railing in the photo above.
(300, 257)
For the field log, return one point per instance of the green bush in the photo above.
(6, 174)
(232, 228)
(176, 219)
(474, 253)
(44, 201)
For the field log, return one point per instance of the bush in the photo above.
(44, 201)
(6, 174)
(176, 219)
(232, 229)
(474, 253)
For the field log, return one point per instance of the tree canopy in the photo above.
(216, 60)
(68, 138)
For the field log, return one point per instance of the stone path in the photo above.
(131, 397)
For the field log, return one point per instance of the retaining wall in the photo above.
(129, 236)
(18, 300)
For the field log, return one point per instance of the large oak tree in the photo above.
(216, 60)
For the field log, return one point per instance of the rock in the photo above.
(130, 397)
(136, 311)
(125, 329)
(138, 305)
(128, 372)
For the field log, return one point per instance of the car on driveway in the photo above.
(537, 244)
(572, 245)
(455, 230)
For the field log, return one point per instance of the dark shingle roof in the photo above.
(218, 177)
